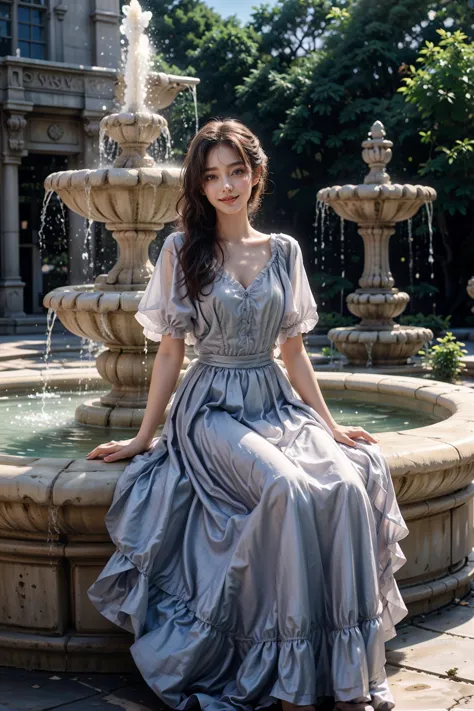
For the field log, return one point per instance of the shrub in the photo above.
(437, 324)
(445, 359)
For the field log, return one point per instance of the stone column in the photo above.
(11, 285)
(60, 13)
(105, 17)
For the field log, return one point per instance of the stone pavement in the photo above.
(430, 667)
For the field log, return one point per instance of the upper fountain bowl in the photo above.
(377, 200)
(375, 203)
(133, 194)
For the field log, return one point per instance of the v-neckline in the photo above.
(261, 273)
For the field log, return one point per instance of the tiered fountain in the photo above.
(377, 206)
(135, 198)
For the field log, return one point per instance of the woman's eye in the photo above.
(210, 177)
(239, 170)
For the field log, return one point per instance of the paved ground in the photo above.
(430, 663)
(430, 666)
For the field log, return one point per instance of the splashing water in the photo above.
(343, 268)
(369, 348)
(50, 321)
(411, 259)
(429, 215)
(102, 152)
(161, 150)
(193, 90)
(138, 62)
(87, 253)
(166, 135)
(319, 242)
(46, 200)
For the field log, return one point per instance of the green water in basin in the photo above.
(35, 427)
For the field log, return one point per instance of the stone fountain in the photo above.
(135, 197)
(377, 205)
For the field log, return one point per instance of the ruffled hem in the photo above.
(291, 331)
(154, 332)
(391, 529)
(222, 670)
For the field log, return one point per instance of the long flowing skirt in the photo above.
(255, 555)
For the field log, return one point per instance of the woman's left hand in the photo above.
(347, 435)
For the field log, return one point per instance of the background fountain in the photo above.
(377, 206)
(135, 198)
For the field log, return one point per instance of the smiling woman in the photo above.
(257, 539)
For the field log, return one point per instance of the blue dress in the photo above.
(255, 555)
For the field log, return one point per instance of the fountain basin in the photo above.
(102, 316)
(367, 204)
(124, 198)
(53, 542)
(387, 346)
(162, 89)
(108, 317)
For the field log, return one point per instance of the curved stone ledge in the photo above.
(53, 538)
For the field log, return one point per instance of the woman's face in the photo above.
(227, 181)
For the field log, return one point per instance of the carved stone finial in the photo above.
(377, 130)
(377, 154)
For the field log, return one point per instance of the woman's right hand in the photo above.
(122, 449)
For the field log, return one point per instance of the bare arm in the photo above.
(304, 380)
(166, 369)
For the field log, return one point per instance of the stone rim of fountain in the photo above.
(52, 520)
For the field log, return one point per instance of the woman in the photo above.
(256, 538)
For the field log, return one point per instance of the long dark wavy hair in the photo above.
(197, 217)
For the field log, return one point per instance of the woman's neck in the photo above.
(233, 228)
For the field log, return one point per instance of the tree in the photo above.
(441, 90)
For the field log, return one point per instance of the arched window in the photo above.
(23, 27)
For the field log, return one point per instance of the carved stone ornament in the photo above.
(53, 81)
(55, 131)
(92, 127)
(15, 125)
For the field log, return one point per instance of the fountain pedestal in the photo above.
(377, 206)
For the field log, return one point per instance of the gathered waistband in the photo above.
(254, 360)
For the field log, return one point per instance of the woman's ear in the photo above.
(256, 175)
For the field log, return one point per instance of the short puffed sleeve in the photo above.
(300, 315)
(164, 309)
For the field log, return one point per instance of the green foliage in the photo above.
(442, 91)
(330, 352)
(445, 359)
(435, 323)
(328, 285)
(332, 319)
(310, 77)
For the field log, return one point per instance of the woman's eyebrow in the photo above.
(229, 165)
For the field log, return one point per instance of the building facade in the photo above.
(58, 72)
